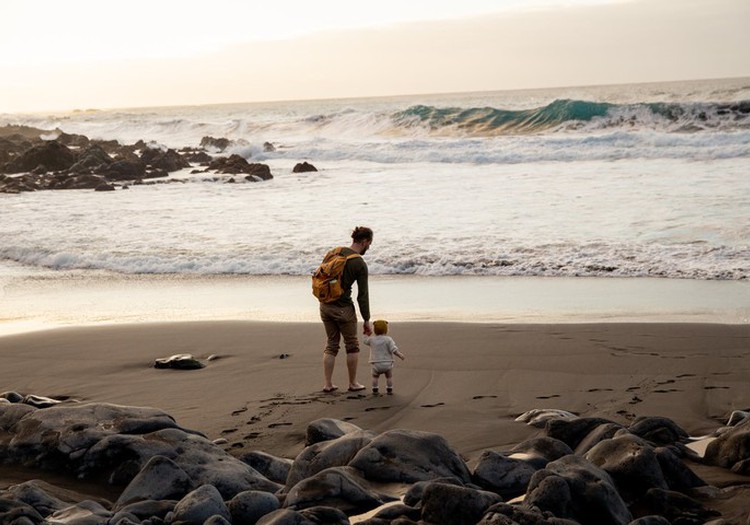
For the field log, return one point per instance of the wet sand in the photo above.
(465, 381)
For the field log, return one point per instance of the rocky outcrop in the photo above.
(69, 161)
(117, 443)
(164, 473)
(168, 160)
(44, 157)
(236, 164)
(218, 144)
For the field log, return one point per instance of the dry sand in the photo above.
(465, 381)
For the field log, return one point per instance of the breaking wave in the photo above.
(565, 115)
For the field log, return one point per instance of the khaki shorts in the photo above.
(340, 321)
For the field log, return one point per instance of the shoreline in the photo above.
(41, 299)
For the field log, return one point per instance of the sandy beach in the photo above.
(465, 381)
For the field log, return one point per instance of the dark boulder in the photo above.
(325, 429)
(259, 171)
(236, 164)
(51, 154)
(90, 160)
(540, 450)
(168, 160)
(219, 144)
(507, 514)
(196, 157)
(338, 487)
(160, 479)
(731, 447)
(251, 505)
(658, 430)
(11, 147)
(313, 516)
(598, 434)
(503, 475)
(200, 505)
(572, 432)
(409, 456)
(72, 139)
(574, 488)
(632, 463)
(677, 507)
(274, 468)
(414, 495)
(124, 170)
(303, 167)
(451, 505)
(333, 453)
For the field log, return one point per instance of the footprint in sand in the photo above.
(251, 435)
(369, 409)
(274, 425)
(357, 396)
(433, 405)
(715, 387)
(632, 389)
(484, 397)
(548, 397)
(685, 375)
(635, 400)
(666, 390)
(239, 411)
(599, 390)
(667, 382)
(229, 431)
(237, 445)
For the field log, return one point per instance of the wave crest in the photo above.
(566, 115)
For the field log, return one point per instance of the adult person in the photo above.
(340, 318)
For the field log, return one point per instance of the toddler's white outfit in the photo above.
(382, 348)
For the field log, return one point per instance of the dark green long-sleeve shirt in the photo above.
(355, 271)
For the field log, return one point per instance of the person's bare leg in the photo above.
(352, 360)
(328, 363)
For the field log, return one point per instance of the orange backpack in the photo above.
(326, 280)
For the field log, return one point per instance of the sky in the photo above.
(84, 54)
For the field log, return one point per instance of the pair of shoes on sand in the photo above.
(388, 390)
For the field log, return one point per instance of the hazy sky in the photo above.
(78, 54)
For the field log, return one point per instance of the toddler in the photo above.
(382, 350)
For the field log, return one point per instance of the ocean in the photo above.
(647, 181)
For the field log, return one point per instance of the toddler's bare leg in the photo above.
(389, 379)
